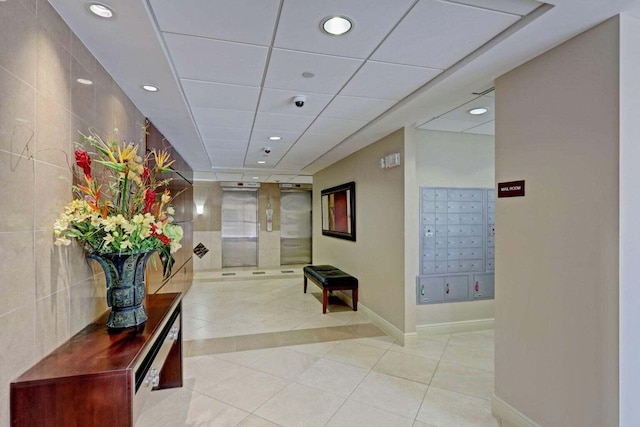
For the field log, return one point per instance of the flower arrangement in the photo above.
(125, 210)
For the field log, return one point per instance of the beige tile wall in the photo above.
(50, 293)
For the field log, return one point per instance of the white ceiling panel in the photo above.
(339, 128)
(201, 59)
(252, 177)
(488, 128)
(281, 102)
(245, 21)
(276, 151)
(448, 125)
(281, 178)
(518, 7)
(357, 108)
(262, 137)
(225, 176)
(302, 179)
(227, 159)
(387, 81)
(299, 27)
(305, 152)
(226, 56)
(221, 117)
(281, 122)
(220, 95)
(330, 72)
(437, 34)
(225, 144)
(462, 112)
(224, 133)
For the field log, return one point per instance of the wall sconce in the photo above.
(199, 209)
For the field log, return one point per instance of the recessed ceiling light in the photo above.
(336, 25)
(83, 81)
(101, 10)
(256, 177)
(262, 162)
(307, 75)
(478, 111)
(275, 138)
(150, 88)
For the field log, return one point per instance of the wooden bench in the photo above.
(330, 278)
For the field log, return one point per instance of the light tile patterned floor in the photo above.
(302, 369)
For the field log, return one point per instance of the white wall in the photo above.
(629, 225)
(449, 159)
(376, 258)
(556, 322)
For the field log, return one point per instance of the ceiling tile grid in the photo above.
(237, 65)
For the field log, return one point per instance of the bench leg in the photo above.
(325, 300)
(305, 284)
(354, 296)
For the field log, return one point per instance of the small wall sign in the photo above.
(511, 189)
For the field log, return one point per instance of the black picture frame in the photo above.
(339, 211)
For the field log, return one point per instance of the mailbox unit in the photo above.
(457, 247)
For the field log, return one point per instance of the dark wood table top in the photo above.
(96, 350)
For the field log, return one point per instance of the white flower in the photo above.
(174, 246)
(62, 241)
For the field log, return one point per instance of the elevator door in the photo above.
(239, 228)
(295, 227)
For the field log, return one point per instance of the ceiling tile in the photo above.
(281, 102)
(518, 7)
(306, 150)
(339, 128)
(437, 34)
(225, 144)
(302, 179)
(251, 177)
(239, 20)
(220, 95)
(244, 64)
(222, 176)
(357, 108)
(299, 26)
(330, 72)
(387, 81)
(224, 133)
(256, 152)
(281, 178)
(262, 137)
(220, 117)
(281, 122)
(462, 112)
(448, 125)
(488, 128)
(227, 159)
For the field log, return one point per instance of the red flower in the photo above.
(146, 175)
(83, 161)
(149, 198)
(154, 232)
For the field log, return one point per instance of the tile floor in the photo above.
(259, 352)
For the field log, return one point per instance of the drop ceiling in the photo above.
(228, 71)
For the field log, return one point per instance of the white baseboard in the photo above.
(455, 327)
(510, 416)
(395, 333)
(403, 338)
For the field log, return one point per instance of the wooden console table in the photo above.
(99, 378)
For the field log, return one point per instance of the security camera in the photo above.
(267, 150)
(299, 100)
